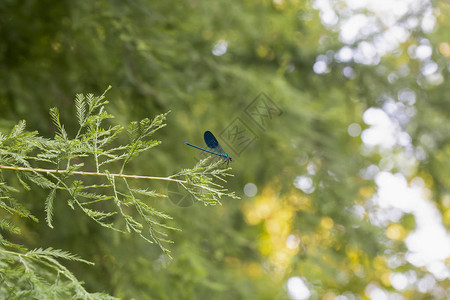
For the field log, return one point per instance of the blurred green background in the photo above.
(345, 103)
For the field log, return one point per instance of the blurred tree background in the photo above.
(334, 113)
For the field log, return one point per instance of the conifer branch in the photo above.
(116, 175)
(93, 144)
(105, 202)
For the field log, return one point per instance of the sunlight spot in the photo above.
(304, 183)
(407, 96)
(366, 54)
(392, 77)
(428, 21)
(412, 22)
(297, 289)
(320, 67)
(370, 172)
(327, 223)
(396, 232)
(429, 244)
(384, 24)
(429, 68)
(311, 169)
(329, 17)
(374, 116)
(327, 13)
(292, 241)
(350, 29)
(348, 72)
(359, 211)
(426, 283)
(220, 48)
(279, 4)
(250, 189)
(345, 54)
(394, 261)
(388, 40)
(399, 112)
(375, 293)
(354, 129)
(399, 281)
(444, 48)
(382, 130)
(423, 52)
(435, 79)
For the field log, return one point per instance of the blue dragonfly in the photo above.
(213, 144)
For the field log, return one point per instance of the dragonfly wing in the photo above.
(212, 142)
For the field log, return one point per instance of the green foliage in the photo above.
(37, 274)
(109, 201)
(159, 55)
(199, 181)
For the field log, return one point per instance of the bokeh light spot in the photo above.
(292, 241)
(354, 129)
(250, 189)
(399, 281)
(444, 48)
(304, 183)
(396, 232)
(297, 289)
(220, 48)
(423, 52)
(327, 223)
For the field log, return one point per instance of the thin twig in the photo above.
(101, 174)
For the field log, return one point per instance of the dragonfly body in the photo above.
(214, 145)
